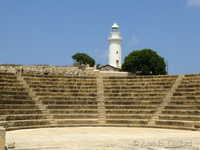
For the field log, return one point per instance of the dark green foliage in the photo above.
(84, 59)
(98, 65)
(145, 62)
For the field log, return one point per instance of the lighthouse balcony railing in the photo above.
(115, 36)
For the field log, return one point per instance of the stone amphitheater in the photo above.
(52, 97)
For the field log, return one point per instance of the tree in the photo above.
(84, 59)
(145, 62)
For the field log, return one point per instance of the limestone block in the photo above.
(11, 145)
(196, 124)
(2, 138)
(44, 70)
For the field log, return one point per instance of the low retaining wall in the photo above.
(47, 70)
(2, 138)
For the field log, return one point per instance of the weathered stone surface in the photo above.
(104, 138)
(11, 145)
(47, 70)
(106, 99)
(2, 138)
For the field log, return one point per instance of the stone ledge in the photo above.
(47, 70)
(2, 138)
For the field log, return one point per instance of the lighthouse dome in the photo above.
(115, 26)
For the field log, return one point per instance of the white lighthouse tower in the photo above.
(115, 50)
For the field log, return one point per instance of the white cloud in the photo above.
(193, 2)
(134, 41)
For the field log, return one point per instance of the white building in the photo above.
(115, 50)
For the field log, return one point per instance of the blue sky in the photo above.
(49, 32)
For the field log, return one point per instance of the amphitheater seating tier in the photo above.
(32, 101)
(68, 99)
(17, 109)
(183, 110)
(133, 100)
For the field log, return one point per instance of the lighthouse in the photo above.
(115, 50)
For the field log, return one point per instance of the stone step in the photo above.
(129, 111)
(75, 116)
(61, 83)
(185, 82)
(60, 78)
(20, 111)
(3, 81)
(71, 107)
(182, 90)
(191, 79)
(194, 97)
(69, 102)
(30, 127)
(141, 77)
(132, 102)
(22, 123)
(186, 94)
(190, 82)
(182, 107)
(21, 101)
(173, 127)
(127, 90)
(127, 121)
(54, 76)
(18, 106)
(6, 84)
(128, 116)
(29, 76)
(180, 117)
(175, 123)
(12, 89)
(73, 111)
(66, 98)
(134, 94)
(131, 106)
(138, 87)
(12, 97)
(3, 92)
(61, 86)
(141, 98)
(23, 117)
(5, 77)
(181, 112)
(6, 74)
(136, 83)
(189, 86)
(65, 94)
(138, 79)
(184, 102)
(77, 121)
(148, 77)
(192, 75)
(64, 90)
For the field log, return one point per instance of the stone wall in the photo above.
(2, 138)
(114, 73)
(46, 70)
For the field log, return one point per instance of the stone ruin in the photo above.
(75, 70)
(2, 138)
